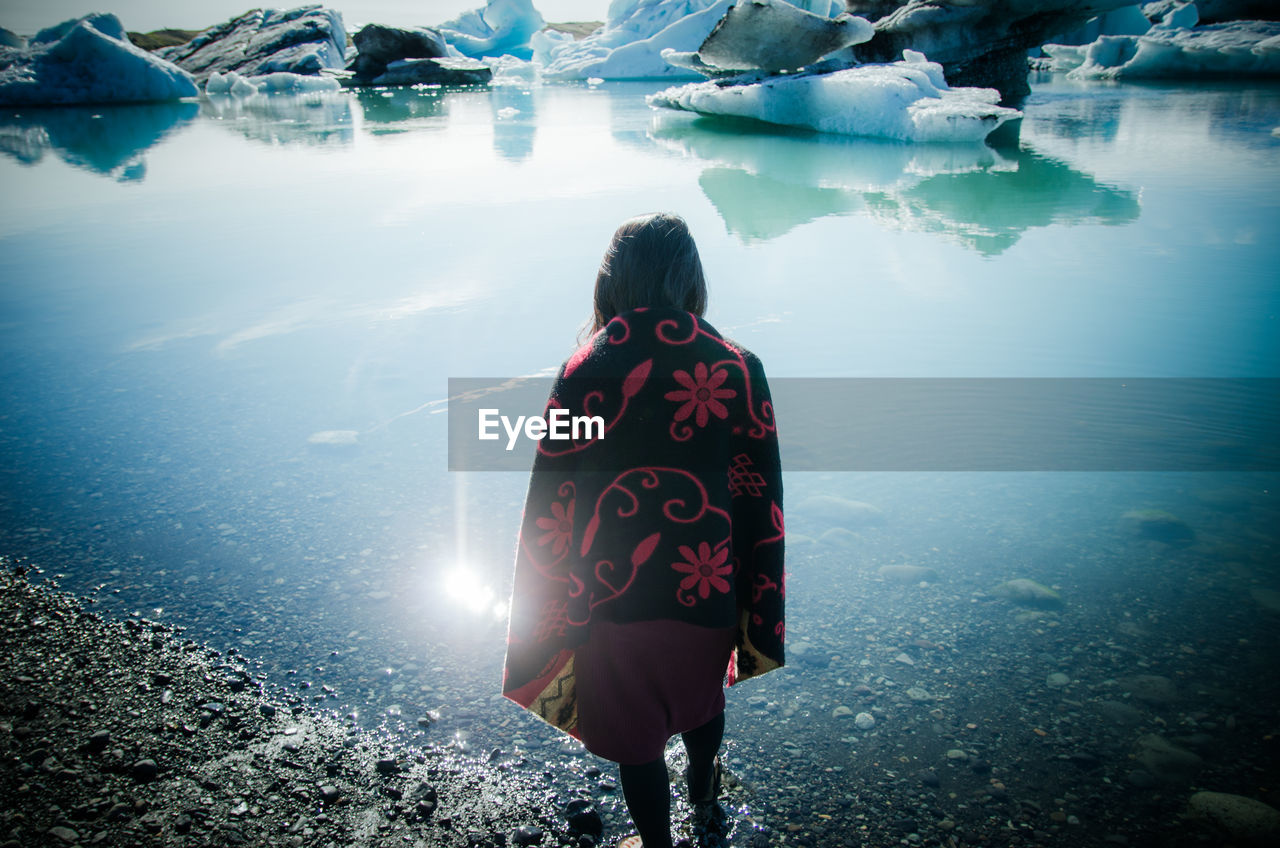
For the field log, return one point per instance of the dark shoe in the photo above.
(712, 793)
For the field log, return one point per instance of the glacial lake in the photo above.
(228, 326)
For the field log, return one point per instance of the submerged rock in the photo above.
(87, 60)
(1027, 592)
(305, 40)
(907, 573)
(1158, 525)
(841, 511)
(1166, 760)
(1241, 818)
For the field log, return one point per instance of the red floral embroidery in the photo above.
(559, 527)
(705, 570)
(701, 394)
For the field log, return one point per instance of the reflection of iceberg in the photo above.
(765, 183)
(990, 211)
(316, 117)
(394, 105)
(103, 139)
(514, 124)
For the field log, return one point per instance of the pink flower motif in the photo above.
(559, 527)
(705, 570)
(701, 393)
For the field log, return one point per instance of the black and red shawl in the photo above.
(674, 513)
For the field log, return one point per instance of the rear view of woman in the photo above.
(650, 558)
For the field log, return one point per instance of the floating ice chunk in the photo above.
(631, 43)
(281, 82)
(907, 100)
(88, 60)
(1240, 48)
(501, 27)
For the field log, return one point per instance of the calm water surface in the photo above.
(191, 294)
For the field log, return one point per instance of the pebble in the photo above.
(864, 721)
(144, 771)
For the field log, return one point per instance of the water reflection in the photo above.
(514, 122)
(315, 118)
(107, 140)
(395, 105)
(765, 183)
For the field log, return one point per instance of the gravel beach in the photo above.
(124, 733)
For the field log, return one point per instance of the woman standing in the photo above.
(650, 559)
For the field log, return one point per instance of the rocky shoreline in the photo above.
(124, 733)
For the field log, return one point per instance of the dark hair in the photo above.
(651, 261)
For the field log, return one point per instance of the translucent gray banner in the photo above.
(946, 424)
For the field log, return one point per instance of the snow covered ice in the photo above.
(88, 60)
(907, 100)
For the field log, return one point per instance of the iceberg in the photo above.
(1175, 48)
(977, 42)
(1217, 11)
(631, 43)
(305, 40)
(87, 60)
(908, 100)
(502, 27)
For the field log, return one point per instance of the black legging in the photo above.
(647, 787)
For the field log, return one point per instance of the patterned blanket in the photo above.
(670, 507)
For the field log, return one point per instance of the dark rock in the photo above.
(380, 45)
(434, 72)
(583, 817)
(64, 834)
(929, 777)
(527, 834)
(387, 765)
(145, 771)
(329, 793)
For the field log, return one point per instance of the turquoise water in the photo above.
(191, 295)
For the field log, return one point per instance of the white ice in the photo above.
(1176, 47)
(502, 27)
(280, 82)
(908, 100)
(88, 60)
(630, 44)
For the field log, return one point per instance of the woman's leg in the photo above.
(703, 743)
(647, 789)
